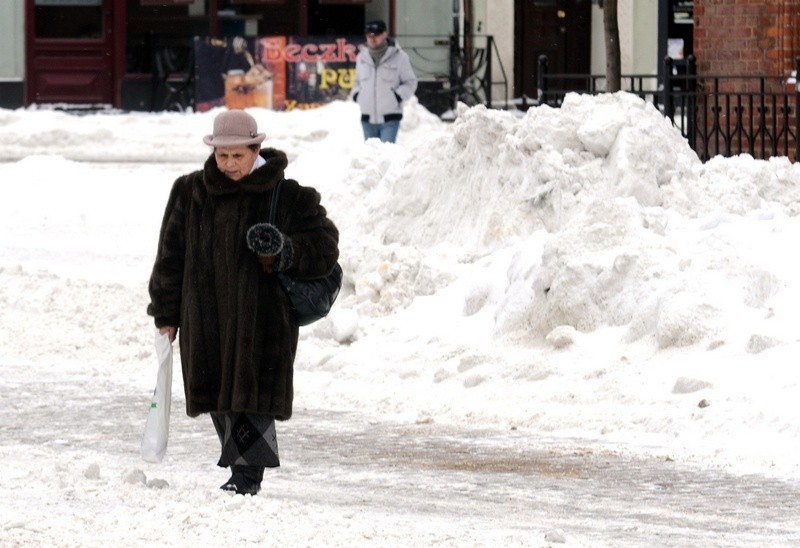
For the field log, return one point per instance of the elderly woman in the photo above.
(238, 337)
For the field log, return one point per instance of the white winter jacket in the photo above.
(380, 91)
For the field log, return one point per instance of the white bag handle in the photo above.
(156, 429)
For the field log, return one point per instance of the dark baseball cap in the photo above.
(375, 27)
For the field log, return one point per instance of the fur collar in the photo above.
(261, 180)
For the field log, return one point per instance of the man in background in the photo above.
(384, 79)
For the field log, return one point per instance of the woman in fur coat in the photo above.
(238, 337)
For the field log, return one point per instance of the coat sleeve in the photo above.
(166, 280)
(356, 89)
(314, 237)
(408, 80)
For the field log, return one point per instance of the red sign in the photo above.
(276, 72)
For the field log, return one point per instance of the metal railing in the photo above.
(717, 114)
(456, 69)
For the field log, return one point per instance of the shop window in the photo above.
(69, 19)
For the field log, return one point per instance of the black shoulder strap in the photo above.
(273, 208)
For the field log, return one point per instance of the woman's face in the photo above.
(235, 162)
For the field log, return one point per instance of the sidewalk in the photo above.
(73, 477)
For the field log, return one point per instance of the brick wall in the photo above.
(752, 37)
(749, 38)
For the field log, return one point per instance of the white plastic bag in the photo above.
(156, 430)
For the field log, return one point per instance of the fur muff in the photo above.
(266, 239)
(238, 339)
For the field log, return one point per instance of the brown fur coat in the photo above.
(237, 336)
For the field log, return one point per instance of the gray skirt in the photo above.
(247, 439)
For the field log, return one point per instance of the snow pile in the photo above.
(575, 271)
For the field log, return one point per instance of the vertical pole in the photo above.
(796, 112)
(303, 27)
(454, 79)
(541, 78)
(691, 104)
(667, 90)
(488, 76)
(455, 53)
(213, 18)
(762, 130)
(118, 18)
(29, 64)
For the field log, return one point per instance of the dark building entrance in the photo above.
(68, 45)
(675, 33)
(559, 29)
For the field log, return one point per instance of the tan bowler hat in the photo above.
(234, 128)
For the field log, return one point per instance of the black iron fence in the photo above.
(453, 69)
(718, 115)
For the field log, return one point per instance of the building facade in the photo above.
(101, 51)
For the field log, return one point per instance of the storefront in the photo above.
(122, 52)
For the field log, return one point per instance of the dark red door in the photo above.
(559, 29)
(68, 51)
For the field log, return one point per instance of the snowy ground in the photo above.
(353, 479)
(556, 329)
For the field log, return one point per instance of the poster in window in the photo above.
(275, 72)
(318, 69)
(228, 75)
(675, 48)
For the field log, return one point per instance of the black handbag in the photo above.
(311, 299)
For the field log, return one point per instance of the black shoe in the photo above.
(241, 485)
(245, 480)
(232, 483)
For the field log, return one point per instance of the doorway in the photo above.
(559, 29)
(67, 51)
